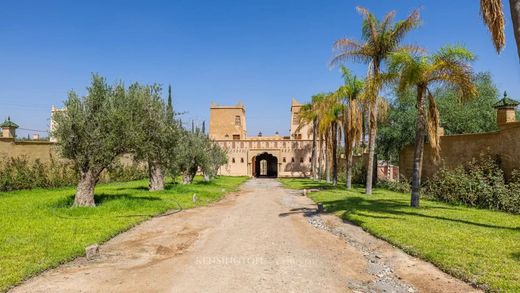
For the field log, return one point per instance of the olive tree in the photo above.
(154, 133)
(92, 132)
(215, 158)
(196, 151)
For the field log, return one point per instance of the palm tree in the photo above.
(324, 132)
(380, 40)
(333, 120)
(492, 12)
(308, 115)
(449, 66)
(352, 115)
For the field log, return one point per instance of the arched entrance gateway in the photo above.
(265, 165)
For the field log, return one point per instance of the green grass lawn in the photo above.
(39, 230)
(476, 245)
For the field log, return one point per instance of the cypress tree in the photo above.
(170, 106)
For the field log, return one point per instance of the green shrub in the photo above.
(402, 185)
(478, 183)
(20, 173)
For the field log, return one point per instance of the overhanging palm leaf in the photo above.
(492, 13)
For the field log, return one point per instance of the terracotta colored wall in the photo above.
(42, 150)
(222, 122)
(459, 149)
(244, 151)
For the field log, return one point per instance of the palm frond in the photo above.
(492, 13)
(359, 55)
(404, 26)
(387, 20)
(347, 44)
(370, 24)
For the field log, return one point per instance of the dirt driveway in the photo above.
(262, 239)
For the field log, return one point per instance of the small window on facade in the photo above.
(233, 160)
(236, 136)
(237, 120)
(241, 160)
(301, 160)
(283, 159)
(310, 160)
(292, 160)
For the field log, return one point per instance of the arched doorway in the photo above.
(265, 165)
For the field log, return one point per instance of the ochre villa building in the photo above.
(261, 156)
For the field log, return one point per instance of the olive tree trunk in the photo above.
(188, 175)
(85, 190)
(372, 132)
(420, 132)
(514, 5)
(156, 175)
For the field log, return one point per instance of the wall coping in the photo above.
(34, 142)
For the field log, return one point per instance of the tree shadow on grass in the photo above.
(385, 207)
(516, 256)
(305, 184)
(143, 188)
(102, 198)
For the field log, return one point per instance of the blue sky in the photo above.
(261, 52)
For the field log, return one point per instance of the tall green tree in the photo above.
(398, 130)
(381, 38)
(473, 116)
(92, 132)
(449, 66)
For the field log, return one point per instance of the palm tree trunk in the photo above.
(514, 5)
(334, 153)
(349, 169)
(372, 128)
(320, 160)
(327, 159)
(347, 148)
(313, 161)
(420, 132)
